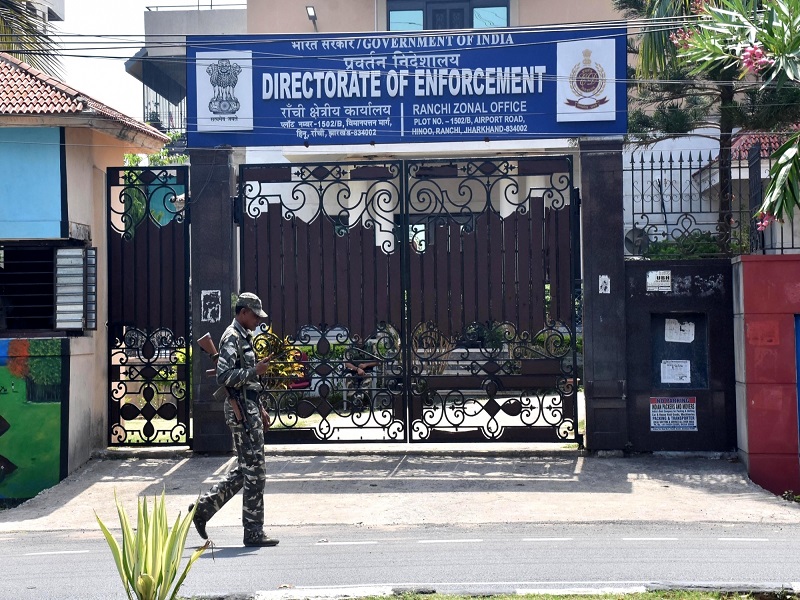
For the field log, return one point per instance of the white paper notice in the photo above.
(678, 331)
(676, 371)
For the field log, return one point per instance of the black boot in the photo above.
(199, 523)
(259, 539)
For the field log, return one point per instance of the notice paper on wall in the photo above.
(659, 281)
(210, 306)
(676, 371)
(673, 414)
(678, 331)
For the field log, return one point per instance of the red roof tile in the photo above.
(770, 142)
(28, 91)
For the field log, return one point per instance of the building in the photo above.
(50, 10)
(502, 50)
(55, 146)
(160, 64)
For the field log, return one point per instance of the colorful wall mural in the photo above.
(33, 395)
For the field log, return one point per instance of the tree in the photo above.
(137, 195)
(25, 35)
(18, 353)
(679, 103)
(763, 45)
(666, 101)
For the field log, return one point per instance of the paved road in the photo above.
(479, 558)
(495, 520)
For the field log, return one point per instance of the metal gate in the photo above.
(148, 320)
(423, 301)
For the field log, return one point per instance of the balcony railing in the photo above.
(162, 114)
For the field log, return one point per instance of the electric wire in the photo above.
(656, 25)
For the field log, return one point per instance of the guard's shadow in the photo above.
(223, 552)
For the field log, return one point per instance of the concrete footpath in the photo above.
(393, 485)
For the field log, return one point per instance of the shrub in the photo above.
(45, 361)
(150, 555)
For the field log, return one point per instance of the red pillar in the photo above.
(766, 300)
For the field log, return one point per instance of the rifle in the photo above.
(207, 345)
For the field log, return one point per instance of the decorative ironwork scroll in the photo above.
(673, 208)
(492, 350)
(424, 301)
(148, 383)
(148, 274)
(327, 384)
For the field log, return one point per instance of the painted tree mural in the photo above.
(30, 416)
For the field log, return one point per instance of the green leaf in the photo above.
(150, 557)
(116, 553)
(782, 195)
(145, 587)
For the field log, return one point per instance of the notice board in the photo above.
(679, 347)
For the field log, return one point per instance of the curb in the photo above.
(458, 450)
(776, 590)
(482, 450)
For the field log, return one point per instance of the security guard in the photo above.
(238, 370)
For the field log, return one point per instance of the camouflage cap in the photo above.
(251, 301)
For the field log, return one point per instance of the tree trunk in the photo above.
(725, 183)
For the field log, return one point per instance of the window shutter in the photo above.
(91, 288)
(76, 288)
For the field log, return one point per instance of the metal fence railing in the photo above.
(674, 207)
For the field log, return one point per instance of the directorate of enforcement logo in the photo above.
(587, 81)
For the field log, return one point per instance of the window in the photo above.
(418, 15)
(405, 20)
(485, 17)
(47, 287)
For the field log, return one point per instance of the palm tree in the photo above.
(765, 45)
(25, 35)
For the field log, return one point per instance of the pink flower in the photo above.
(755, 60)
(766, 219)
(681, 38)
(699, 6)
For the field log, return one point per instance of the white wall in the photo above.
(89, 154)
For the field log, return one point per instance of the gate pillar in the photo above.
(604, 328)
(213, 280)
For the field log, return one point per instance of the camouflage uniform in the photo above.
(250, 473)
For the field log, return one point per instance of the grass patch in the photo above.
(32, 442)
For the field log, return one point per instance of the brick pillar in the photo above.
(213, 279)
(604, 295)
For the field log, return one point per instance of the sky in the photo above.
(105, 79)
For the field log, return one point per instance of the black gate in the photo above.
(148, 321)
(421, 300)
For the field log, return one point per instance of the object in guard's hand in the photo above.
(222, 393)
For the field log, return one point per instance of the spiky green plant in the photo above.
(150, 556)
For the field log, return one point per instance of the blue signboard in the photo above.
(387, 88)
